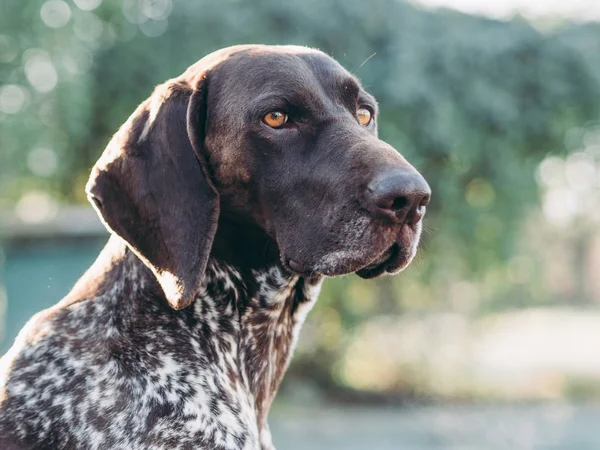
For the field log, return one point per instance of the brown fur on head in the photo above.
(322, 188)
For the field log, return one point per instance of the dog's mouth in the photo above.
(390, 261)
(393, 259)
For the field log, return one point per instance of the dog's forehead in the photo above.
(286, 68)
(257, 56)
(285, 60)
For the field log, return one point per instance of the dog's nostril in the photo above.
(418, 211)
(399, 203)
(97, 202)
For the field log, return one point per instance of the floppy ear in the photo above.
(152, 187)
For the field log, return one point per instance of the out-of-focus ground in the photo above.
(437, 427)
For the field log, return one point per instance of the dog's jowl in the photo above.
(230, 193)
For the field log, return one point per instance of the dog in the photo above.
(230, 194)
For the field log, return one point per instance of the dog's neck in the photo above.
(267, 303)
(267, 309)
(245, 319)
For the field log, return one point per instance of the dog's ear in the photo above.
(152, 187)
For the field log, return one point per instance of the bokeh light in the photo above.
(87, 5)
(42, 161)
(12, 98)
(36, 207)
(39, 70)
(88, 27)
(55, 13)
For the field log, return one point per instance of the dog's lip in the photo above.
(294, 267)
(389, 261)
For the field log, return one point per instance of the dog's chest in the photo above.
(155, 378)
(248, 329)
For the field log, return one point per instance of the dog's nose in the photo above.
(401, 194)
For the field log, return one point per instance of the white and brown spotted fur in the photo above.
(123, 370)
(223, 228)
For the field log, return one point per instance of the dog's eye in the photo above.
(364, 116)
(275, 119)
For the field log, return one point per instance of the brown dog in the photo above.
(230, 193)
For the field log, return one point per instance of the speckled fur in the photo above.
(123, 370)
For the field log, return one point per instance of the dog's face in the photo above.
(294, 148)
(279, 138)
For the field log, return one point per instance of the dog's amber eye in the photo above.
(364, 116)
(275, 119)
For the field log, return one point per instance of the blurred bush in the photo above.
(475, 104)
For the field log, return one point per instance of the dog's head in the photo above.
(279, 138)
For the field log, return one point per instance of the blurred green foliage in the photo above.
(475, 104)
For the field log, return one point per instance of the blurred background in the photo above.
(491, 338)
